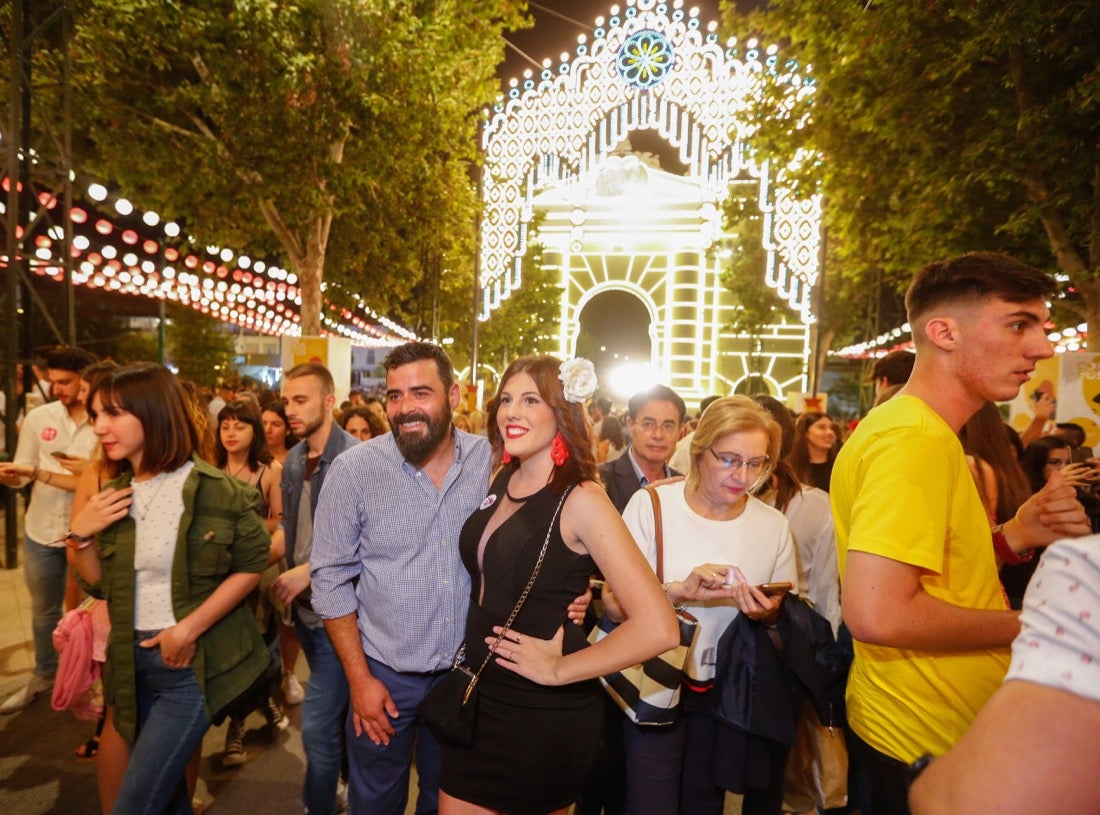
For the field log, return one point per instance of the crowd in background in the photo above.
(236, 478)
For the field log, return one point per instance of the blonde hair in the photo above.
(732, 414)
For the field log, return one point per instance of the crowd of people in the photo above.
(872, 575)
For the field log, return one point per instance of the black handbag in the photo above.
(450, 707)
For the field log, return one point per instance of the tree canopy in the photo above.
(334, 135)
(942, 126)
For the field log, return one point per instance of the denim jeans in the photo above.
(323, 712)
(171, 723)
(45, 570)
(378, 775)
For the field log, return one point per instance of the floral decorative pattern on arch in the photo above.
(645, 59)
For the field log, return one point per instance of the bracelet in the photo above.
(34, 475)
(668, 595)
(77, 542)
(1004, 552)
(49, 476)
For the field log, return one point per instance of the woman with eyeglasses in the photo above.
(720, 544)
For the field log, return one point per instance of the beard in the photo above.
(418, 448)
(309, 428)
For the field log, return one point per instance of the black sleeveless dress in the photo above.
(533, 744)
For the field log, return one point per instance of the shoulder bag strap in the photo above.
(658, 533)
(523, 595)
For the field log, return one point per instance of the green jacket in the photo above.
(220, 534)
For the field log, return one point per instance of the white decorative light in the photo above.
(171, 229)
(97, 192)
(123, 207)
(678, 81)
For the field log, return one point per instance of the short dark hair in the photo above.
(895, 366)
(1071, 432)
(661, 393)
(972, 277)
(707, 401)
(604, 404)
(328, 385)
(156, 399)
(412, 352)
(69, 358)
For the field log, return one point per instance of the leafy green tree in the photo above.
(936, 127)
(334, 135)
(526, 323)
(199, 346)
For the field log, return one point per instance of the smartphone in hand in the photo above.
(774, 589)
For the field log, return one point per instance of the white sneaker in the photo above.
(292, 690)
(234, 743)
(37, 686)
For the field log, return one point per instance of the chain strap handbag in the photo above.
(450, 708)
(649, 692)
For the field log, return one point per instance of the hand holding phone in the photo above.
(775, 589)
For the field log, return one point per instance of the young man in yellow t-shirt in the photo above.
(918, 561)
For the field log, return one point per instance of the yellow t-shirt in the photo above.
(901, 489)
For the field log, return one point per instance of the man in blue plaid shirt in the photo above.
(387, 576)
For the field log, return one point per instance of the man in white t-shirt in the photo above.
(50, 433)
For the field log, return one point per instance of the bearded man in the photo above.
(388, 579)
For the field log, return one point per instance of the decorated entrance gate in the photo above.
(558, 154)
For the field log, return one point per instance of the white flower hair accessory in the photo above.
(578, 379)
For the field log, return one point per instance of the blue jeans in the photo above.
(323, 713)
(45, 570)
(378, 775)
(171, 723)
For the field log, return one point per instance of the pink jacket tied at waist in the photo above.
(81, 642)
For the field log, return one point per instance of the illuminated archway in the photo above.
(558, 148)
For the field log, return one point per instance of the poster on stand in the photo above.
(1073, 380)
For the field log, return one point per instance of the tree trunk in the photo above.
(310, 271)
(1090, 295)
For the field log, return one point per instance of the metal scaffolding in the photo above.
(37, 144)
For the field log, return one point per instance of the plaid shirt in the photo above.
(381, 521)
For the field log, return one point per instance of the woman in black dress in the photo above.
(539, 711)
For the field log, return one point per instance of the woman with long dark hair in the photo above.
(174, 545)
(815, 447)
(240, 450)
(540, 709)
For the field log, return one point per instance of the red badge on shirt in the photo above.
(48, 433)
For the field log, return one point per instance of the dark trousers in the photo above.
(879, 784)
(670, 770)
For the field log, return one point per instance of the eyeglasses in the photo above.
(751, 465)
(650, 426)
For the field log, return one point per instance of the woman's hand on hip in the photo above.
(529, 656)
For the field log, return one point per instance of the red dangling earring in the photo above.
(505, 457)
(558, 451)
